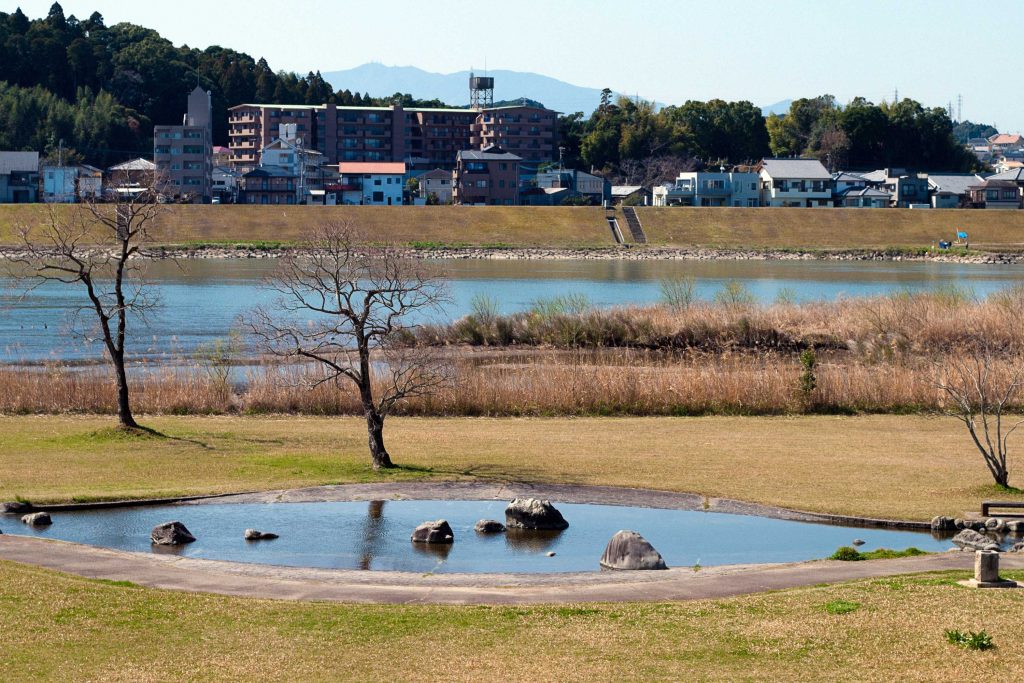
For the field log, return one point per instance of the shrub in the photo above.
(846, 554)
(678, 293)
(734, 293)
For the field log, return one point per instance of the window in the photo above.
(481, 183)
(501, 183)
(378, 196)
(376, 181)
(476, 167)
(503, 166)
(992, 195)
(389, 180)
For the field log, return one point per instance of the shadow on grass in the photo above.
(138, 433)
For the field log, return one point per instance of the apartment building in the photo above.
(488, 176)
(184, 154)
(422, 138)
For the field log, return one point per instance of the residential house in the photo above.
(702, 188)
(60, 184)
(630, 195)
(795, 182)
(371, 183)
(268, 185)
(853, 197)
(845, 180)
(436, 183)
(1015, 175)
(578, 186)
(907, 189)
(130, 177)
(995, 194)
(221, 156)
(486, 176)
(287, 152)
(90, 183)
(949, 190)
(19, 177)
(226, 184)
(1000, 143)
(184, 154)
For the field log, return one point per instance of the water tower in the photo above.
(481, 91)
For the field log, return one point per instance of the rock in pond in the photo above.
(257, 535)
(490, 526)
(941, 523)
(630, 550)
(972, 540)
(171, 533)
(433, 532)
(995, 525)
(858, 542)
(37, 519)
(531, 513)
(1015, 526)
(14, 507)
(1017, 547)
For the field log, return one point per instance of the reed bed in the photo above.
(617, 382)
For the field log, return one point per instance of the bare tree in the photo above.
(980, 395)
(348, 308)
(97, 246)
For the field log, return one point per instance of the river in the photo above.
(202, 299)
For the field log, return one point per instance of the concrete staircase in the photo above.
(636, 230)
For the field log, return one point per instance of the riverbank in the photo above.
(892, 467)
(244, 251)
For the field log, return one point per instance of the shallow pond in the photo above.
(375, 535)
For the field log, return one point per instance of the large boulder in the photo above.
(15, 507)
(37, 519)
(171, 533)
(489, 526)
(433, 532)
(257, 535)
(630, 550)
(941, 523)
(531, 513)
(969, 539)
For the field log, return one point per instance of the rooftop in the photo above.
(489, 153)
(18, 162)
(955, 183)
(796, 168)
(1014, 174)
(372, 167)
(139, 164)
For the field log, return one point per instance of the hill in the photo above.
(380, 80)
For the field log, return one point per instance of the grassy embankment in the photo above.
(877, 466)
(59, 627)
(572, 227)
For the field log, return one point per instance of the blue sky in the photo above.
(672, 50)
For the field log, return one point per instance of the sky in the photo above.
(669, 51)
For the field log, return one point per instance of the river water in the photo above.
(201, 299)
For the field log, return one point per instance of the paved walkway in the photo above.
(287, 583)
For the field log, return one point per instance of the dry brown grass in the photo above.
(784, 228)
(881, 466)
(450, 225)
(59, 627)
(583, 226)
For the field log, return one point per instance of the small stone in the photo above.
(171, 533)
(959, 524)
(37, 519)
(629, 550)
(858, 542)
(433, 532)
(972, 540)
(550, 553)
(1015, 526)
(489, 526)
(1017, 547)
(995, 525)
(257, 535)
(531, 513)
(15, 507)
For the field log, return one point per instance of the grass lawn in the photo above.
(908, 467)
(58, 627)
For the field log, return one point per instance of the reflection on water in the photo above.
(202, 299)
(376, 535)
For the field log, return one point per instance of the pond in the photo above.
(375, 535)
(202, 299)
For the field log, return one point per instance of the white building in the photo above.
(702, 188)
(795, 182)
(437, 182)
(374, 183)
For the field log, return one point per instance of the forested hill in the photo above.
(102, 88)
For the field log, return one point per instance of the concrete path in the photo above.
(287, 583)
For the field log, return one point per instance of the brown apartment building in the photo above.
(184, 154)
(423, 138)
(487, 176)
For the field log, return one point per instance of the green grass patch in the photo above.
(847, 554)
(840, 607)
(971, 640)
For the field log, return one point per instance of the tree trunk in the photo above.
(124, 411)
(375, 427)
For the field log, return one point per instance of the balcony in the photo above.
(242, 131)
(242, 118)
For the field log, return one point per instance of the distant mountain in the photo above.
(380, 81)
(777, 108)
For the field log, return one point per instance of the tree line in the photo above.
(636, 142)
(58, 72)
